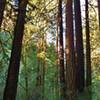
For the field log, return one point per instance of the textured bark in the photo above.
(88, 53)
(13, 70)
(99, 12)
(70, 74)
(79, 46)
(2, 7)
(61, 52)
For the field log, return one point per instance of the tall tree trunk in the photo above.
(79, 46)
(61, 52)
(57, 92)
(88, 55)
(99, 12)
(70, 74)
(2, 7)
(57, 65)
(13, 70)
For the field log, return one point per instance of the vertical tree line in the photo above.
(70, 57)
(70, 66)
(79, 47)
(61, 51)
(88, 52)
(13, 69)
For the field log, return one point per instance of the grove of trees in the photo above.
(49, 49)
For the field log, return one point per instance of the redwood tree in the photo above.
(14, 65)
(70, 73)
(61, 51)
(88, 53)
(79, 46)
(2, 7)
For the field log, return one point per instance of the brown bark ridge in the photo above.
(61, 52)
(70, 74)
(13, 70)
(79, 47)
(88, 52)
(2, 7)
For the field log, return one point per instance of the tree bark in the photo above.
(88, 52)
(61, 52)
(2, 7)
(79, 46)
(13, 70)
(70, 73)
